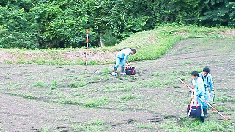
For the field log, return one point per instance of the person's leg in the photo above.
(200, 103)
(116, 64)
(204, 104)
(202, 113)
(122, 66)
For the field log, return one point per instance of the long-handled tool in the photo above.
(213, 108)
(87, 45)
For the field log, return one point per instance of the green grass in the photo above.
(54, 85)
(77, 84)
(91, 126)
(208, 126)
(97, 102)
(38, 84)
(127, 97)
(154, 90)
(150, 45)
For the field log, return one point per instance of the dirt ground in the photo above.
(66, 98)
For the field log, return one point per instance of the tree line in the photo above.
(63, 23)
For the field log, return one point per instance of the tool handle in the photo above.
(213, 108)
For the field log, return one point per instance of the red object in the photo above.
(87, 38)
(213, 108)
(130, 70)
(87, 45)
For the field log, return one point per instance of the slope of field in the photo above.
(159, 40)
(66, 98)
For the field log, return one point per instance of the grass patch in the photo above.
(54, 85)
(159, 40)
(97, 102)
(38, 84)
(145, 126)
(106, 71)
(208, 126)
(93, 126)
(127, 97)
(26, 95)
(77, 84)
(156, 74)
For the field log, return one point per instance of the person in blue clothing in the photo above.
(208, 84)
(121, 59)
(200, 91)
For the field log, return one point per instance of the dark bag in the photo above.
(195, 111)
(130, 71)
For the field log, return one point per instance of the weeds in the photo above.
(96, 102)
(106, 71)
(54, 85)
(159, 41)
(93, 125)
(127, 97)
(77, 84)
(207, 126)
(38, 84)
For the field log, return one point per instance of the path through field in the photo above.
(65, 98)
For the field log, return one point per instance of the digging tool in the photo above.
(213, 108)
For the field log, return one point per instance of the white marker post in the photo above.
(87, 45)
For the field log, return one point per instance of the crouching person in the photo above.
(200, 91)
(121, 59)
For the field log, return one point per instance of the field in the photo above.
(66, 98)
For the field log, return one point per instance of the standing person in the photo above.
(200, 92)
(121, 59)
(208, 84)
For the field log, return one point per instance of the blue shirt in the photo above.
(207, 80)
(199, 86)
(123, 54)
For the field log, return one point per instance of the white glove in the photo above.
(212, 96)
(202, 98)
(114, 74)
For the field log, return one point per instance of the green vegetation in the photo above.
(186, 124)
(159, 41)
(38, 84)
(154, 90)
(54, 85)
(94, 125)
(62, 24)
(77, 84)
(97, 102)
(49, 32)
(127, 97)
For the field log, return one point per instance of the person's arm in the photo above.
(211, 84)
(126, 57)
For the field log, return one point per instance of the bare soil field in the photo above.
(66, 98)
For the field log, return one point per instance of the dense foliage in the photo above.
(63, 23)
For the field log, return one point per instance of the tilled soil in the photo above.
(25, 105)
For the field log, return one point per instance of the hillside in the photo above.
(159, 41)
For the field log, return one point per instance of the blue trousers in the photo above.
(119, 61)
(206, 98)
(201, 104)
